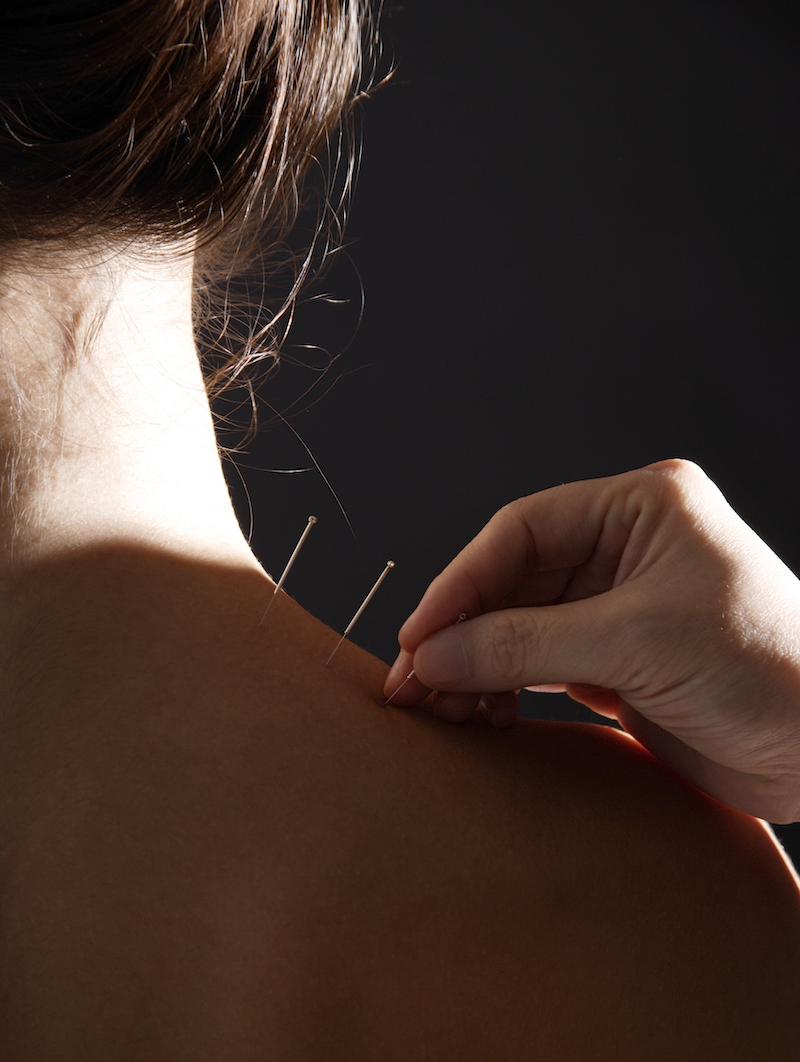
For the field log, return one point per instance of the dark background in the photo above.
(576, 228)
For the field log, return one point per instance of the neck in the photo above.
(105, 431)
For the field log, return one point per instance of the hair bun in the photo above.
(165, 118)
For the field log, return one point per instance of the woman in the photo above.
(213, 846)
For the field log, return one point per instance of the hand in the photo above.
(648, 599)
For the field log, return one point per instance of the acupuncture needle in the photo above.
(364, 603)
(311, 521)
(461, 617)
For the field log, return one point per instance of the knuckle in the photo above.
(511, 650)
(677, 468)
(682, 492)
(679, 482)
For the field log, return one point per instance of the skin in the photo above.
(213, 847)
(649, 600)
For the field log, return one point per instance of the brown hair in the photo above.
(167, 120)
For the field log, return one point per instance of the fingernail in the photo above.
(442, 660)
(487, 706)
(498, 711)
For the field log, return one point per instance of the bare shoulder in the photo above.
(591, 900)
(212, 843)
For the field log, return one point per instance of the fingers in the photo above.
(575, 642)
(404, 689)
(545, 590)
(569, 544)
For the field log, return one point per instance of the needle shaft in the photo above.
(364, 603)
(311, 521)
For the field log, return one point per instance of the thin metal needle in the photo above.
(409, 676)
(364, 603)
(311, 521)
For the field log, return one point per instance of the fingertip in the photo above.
(402, 688)
(408, 636)
(402, 633)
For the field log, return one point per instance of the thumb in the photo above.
(577, 642)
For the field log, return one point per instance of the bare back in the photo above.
(214, 848)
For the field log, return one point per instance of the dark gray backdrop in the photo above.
(576, 228)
